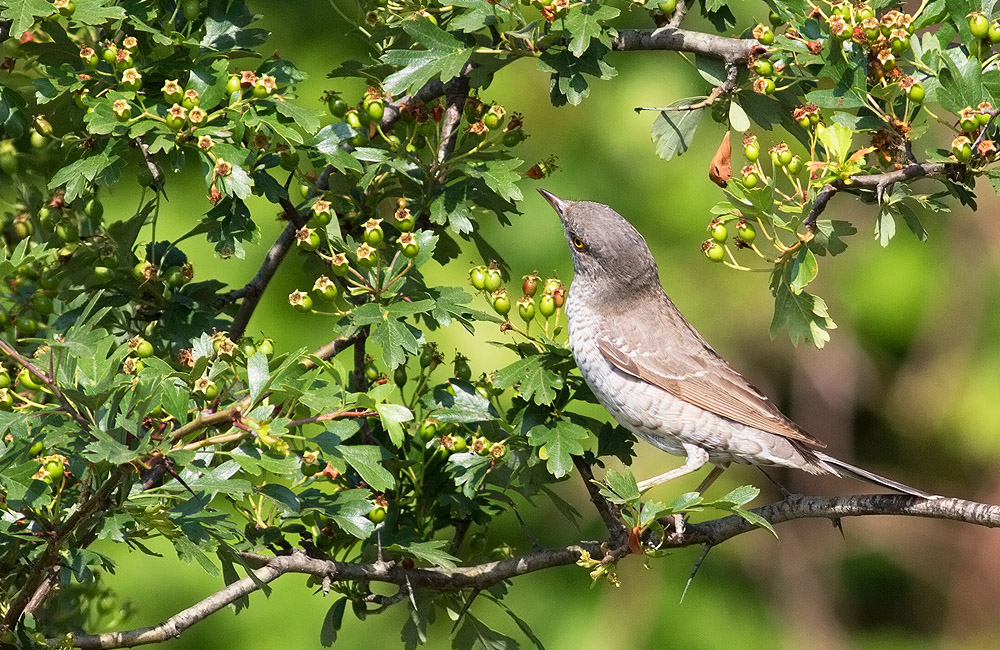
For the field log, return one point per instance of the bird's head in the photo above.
(606, 249)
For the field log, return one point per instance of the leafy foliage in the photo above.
(132, 405)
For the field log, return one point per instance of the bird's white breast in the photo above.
(655, 415)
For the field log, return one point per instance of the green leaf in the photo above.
(829, 236)
(227, 28)
(431, 552)
(756, 520)
(465, 406)
(849, 75)
(620, 487)
(283, 497)
(739, 496)
(444, 58)
(803, 314)
(885, 226)
(961, 80)
(562, 440)
(584, 23)
(395, 339)
(257, 375)
(803, 270)
(474, 634)
(22, 14)
(539, 384)
(738, 118)
(96, 12)
(332, 621)
(306, 118)
(469, 471)
(673, 130)
(501, 177)
(367, 460)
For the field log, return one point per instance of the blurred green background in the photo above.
(909, 387)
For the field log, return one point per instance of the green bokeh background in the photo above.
(909, 386)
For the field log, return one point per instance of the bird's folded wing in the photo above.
(674, 357)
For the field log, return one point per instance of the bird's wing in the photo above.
(669, 353)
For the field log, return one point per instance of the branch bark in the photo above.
(684, 40)
(881, 183)
(487, 574)
(254, 290)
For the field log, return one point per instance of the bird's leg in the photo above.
(696, 459)
(716, 472)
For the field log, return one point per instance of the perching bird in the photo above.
(656, 375)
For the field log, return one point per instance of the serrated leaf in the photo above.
(332, 621)
(282, 496)
(803, 270)
(96, 12)
(431, 552)
(673, 130)
(367, 460)
(740, 496)
(803, 314)
(621, 487)
(395, 339)
(257, 375)
(306, 118)
(469, 471)
(501, 177)
(465, 406)
(562, 440)
(585, 25)
(22, 14)
(885, 226)
(756, 520)
(538, 383)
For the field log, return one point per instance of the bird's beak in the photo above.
(557, 204)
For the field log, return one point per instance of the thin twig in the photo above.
(609, 514)
(48, 381)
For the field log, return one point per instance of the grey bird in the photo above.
(657, 376)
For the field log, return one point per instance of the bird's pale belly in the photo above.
(666, 421)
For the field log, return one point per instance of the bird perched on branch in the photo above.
(657, 376)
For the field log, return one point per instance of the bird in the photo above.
(656, 375)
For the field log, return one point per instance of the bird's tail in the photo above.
(840, 468)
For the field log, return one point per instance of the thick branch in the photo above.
(330, 350)
(456, 95)
(482, 576)
(881, 183)
(684, 40)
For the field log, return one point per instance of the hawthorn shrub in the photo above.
(135, 406)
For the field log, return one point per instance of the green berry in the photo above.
(546, 305)
(377, 514)
(718, 230)
(4, 379)
(37, 449)
(764, 68)
(376, 109)
(428, 429)
(750, 180)
(373, 233)
(751, 151)
(714, 251)
(144, 349)
(784, 157)
(994, 33)
(477, 277)
(191, 10)
(93, 208)
(336, 106)
(745, 231)
(526, 309)
(501, 302)
(54, 469)
(399, 375)
(462, 369)
(493, 279)
(233, 84)
(916, 93)
(766, 36)
(667, 7)
(353, 119)
(979, 25)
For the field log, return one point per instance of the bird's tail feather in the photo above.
(841, 468)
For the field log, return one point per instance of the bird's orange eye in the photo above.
(578, 243)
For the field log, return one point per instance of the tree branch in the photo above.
(331, 349)
(683, 40)
(881, 183)
(609, 513)
(487, 574)
(254, 290)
